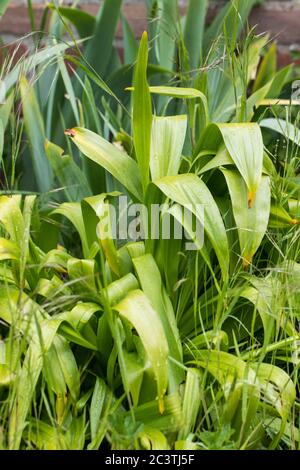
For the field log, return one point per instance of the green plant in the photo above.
(146, 345)
(83, 87)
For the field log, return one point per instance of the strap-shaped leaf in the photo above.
(137, 309)
(188, 190)
(288, 130)
(36, 136)
(116, 162)
(251, 222)
(167, 140)
(245, 146)
(151, 283)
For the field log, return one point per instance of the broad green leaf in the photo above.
(82, 273)
(36, 136)
(50, 288)
(294, 207)
(44, 436)
(191, 402)
(251, 222)
(93, 209)
(271, 90)
(245, 146)
(170, 421)
(194, 31)
(167, 140)
(166, 31)
(11, 218)
(118, 289)
(27, 214)
(151, 284)
(225, 367)
(56, 259)
(222, 158)
(188, 190)
(288, 130)
(134, 374)
(68, 366)
(83, 21)
(185, 218)
(72, 211)
(106, 238)
(277, 390)
(68, 174)
(255, 99)
(240, 387)
(52, 371)
(99, 410)
(116, 162)
(8, 250)
(76, 433)
(255, 49)
(176, 92)
(9, 360)
(19, 309)
(209, 339)
(267, 68)
(6, 375)
(186, 445)
(260, 295)
(97, 405)
(137, 309)
(153, 439)
(80, 315)
(130, 44)
(142, 112)
(27, 379)
(278, 81)
(280, 218)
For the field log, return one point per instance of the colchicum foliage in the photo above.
(144, 344)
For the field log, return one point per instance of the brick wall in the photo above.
(280, 18)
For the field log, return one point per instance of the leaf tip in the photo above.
(251, 199)
(161, 406)
(294, 222)
(70, 132)
(246, 262)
